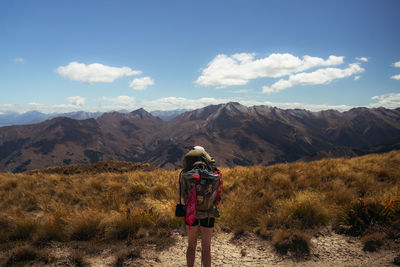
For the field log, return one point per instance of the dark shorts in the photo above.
(207, 222)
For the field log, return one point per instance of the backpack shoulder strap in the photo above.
(180, 187)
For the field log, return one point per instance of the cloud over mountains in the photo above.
(76, 100)
(396, 65)
(75, 103)
(123, 100)
(141, 83)
(320, 76)
(94, 73)
(239, 69)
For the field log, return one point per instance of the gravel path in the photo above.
(328, 249)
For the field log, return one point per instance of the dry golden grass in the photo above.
(309, 195)
(24, 254)
(296, 242)
(138, 205)
(42, 207)
(373, 242)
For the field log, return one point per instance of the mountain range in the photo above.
(10, 118)
(232, 133)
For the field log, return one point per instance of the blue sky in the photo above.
(111, 55)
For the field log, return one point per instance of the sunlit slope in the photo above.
(138, 204)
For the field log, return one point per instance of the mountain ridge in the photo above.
(234, 134)
(10, 118)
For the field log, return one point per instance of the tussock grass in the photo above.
(22, 255)
(86, 226)
(22, 229)
(296, 242)
(41, 207)
(373, 242)
(51, 228)
(126, 254)
(98, 167)
(299, 195)
(78, 258)
(303, 211)
(396, 260)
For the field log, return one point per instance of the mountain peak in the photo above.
(141, 114)
(234, 106)
(231, 109)
(234, 134)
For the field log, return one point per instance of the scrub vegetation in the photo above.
(286, 203)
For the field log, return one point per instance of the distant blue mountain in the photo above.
(32, 117)
(167, 115)
(14, 118)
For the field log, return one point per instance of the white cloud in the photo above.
(363, 59)
(76, 100)
(396, 64)
(121, 100)
(396, 77)
(242, 91)
(320, 76)
(238, 69)
(356, 78)
(94, 73)
(171, 103)
(387, 100)
(34, 104)
(310, 107)
(141, 83)
(22, 108)
(19, 60)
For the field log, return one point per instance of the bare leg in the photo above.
(206, 234)
(192, 243)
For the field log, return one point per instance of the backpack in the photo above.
(198, 158)
(200, 186)
(206, 184)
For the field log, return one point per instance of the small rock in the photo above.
(343, 229)
(243, 252)
(396, 260)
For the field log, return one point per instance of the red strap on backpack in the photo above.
(191, 205)
(219, 187)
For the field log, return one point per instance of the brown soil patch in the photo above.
(327, 249)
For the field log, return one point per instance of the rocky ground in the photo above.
(328, 249)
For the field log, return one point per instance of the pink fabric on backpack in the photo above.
(219, 187)
(191, 205)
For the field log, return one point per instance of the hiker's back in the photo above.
(201, 184)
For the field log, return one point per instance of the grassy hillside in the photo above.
(355, 196)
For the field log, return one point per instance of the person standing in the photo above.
(201, 195)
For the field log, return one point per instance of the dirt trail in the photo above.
(328, 249)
